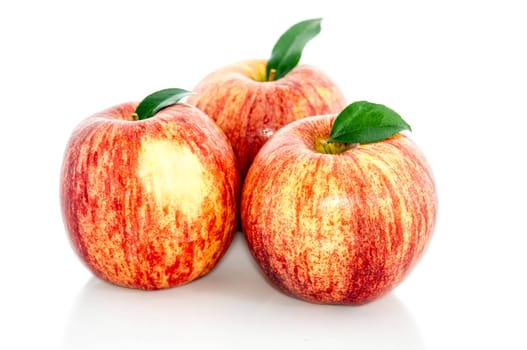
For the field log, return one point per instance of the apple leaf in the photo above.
(158, 100)
(288, 49)
(366, 122)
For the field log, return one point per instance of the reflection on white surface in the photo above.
(231, 307)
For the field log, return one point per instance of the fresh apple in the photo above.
(339, 210)
(150, 201)
(250, 100)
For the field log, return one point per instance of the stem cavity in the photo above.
(322, 145)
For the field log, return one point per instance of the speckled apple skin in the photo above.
(250, 111)
(337, 229)
(149, 204)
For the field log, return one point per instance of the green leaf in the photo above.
(288, 49)
(366, 122)
(155, 102)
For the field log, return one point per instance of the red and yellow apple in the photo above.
(250, 109)
(340, 228)
(151, 203)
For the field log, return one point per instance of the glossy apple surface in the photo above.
(250, 110)
(149, 204)
(337, 228)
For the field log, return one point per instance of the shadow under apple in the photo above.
(233, 306)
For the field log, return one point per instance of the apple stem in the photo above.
(323, 146)
(272, 74)
(135, 117)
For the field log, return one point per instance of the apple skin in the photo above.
(149, 204)
(337, 229)
(250, 110)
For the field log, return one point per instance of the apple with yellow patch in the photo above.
(150, 203)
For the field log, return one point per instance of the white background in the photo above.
(455, 70)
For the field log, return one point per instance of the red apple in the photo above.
(340, 228)
(250, 110)
(252, 99)
(151, 203)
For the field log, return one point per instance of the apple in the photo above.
(149, 203)
(339, 222)
(250, 101)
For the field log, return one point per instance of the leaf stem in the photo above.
(272, 74)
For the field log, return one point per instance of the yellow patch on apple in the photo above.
(173, 175)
